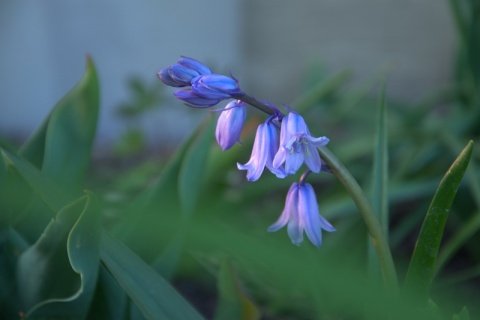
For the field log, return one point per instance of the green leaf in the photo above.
(233, 302)
(462, 315)
(422, 265)
(154, 296)
(380, 167)
(161, 201)
(380, 178)
(53, 196)
(63, 141)
(191, 174)
(71, 131)
(57, 275)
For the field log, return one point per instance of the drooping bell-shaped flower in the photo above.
(301, 214)
(264, 149)
(215, 86)
(230, 124)
(298, 146)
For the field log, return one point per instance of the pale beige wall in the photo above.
(415, 38)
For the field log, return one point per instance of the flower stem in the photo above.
(374, 227)
(254, 103)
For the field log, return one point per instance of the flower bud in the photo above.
(230, 124)
(193, 100)
(215, 86)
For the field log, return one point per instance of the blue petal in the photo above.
(293, 162)
(195, 65)
(258, 159)
(289, 209)
(308, 208)
(182, 74)
(215, 86)
(193, 100)
(312, 158)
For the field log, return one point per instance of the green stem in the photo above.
(374, 227)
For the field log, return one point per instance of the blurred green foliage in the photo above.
(185, 237)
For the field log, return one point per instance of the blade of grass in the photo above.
(422, 264)
(380, 178)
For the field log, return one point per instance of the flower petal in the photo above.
(312, 158)
(193, 100)
(256, 164)
(195, 65)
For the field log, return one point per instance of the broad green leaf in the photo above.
(67, 132)
(53, 196)
(57, 276)
(422, 265)
(167, 261)
(190, 180)
(110, 302)
(154, 296)
(71, 131)
(159, 202)
(233, 303)
(33, 149)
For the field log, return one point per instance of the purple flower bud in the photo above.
(215, 86)
(182, 75)
(230, 124)
(264, 148)
(297, 146)
(164, 75)
(302, 214)
(193, 100)
(193, 64)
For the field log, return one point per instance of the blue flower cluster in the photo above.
(282, 155)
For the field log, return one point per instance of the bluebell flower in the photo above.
(215, 86)
(264, 149)
(297, 145)
(183, 72)
(230, 124)
(301, 214)
(193, 100)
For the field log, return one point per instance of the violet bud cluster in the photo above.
(206, 88)
(283, 143)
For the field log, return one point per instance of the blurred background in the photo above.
(273, 47)
(329, 59)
